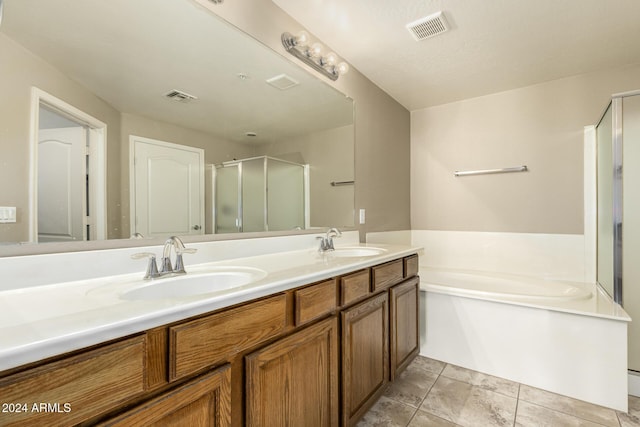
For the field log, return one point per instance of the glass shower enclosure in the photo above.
(618, 209)
(261, 194)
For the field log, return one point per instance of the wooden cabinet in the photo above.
(386, 275)
(210, 340)
(202, 402)
(404, 334)
(354, 287)
(315, 302)
(365, 356)
(76, 388)
(411, 266)
(294, 381)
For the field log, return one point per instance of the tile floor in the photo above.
(433, 393)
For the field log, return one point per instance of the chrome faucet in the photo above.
(326, 242)
(166, 267)
(179, 248)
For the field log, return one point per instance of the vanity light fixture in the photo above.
(312, 55)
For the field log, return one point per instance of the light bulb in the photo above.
(301, 39)
(342, 68)
(315, 51)
(330, 59)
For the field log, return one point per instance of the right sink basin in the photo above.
(356, 251)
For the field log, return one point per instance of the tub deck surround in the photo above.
(560, 256)
(579, 298)
(54, 318)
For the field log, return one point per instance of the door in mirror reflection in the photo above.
(168, 188)
(62, 184)
(69, 164)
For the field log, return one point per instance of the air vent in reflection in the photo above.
(282, 82)
(180, 96)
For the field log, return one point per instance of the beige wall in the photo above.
(381, 124)
(540, 126)
(19, 71)
(330, 154)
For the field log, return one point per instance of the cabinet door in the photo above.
(204, 401)
(405, 343)
(294, 381)
(365, 356)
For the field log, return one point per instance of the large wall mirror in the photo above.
(123, 119)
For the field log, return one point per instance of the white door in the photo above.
(62, 184)
(167, 188)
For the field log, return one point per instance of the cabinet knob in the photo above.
(196, 227)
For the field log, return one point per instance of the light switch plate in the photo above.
(7, 214)
(362, 218)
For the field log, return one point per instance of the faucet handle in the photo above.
(152, 267)
(179, 268)
(186, 251)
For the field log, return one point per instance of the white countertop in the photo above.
(37, 322)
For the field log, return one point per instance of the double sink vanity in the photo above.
(287, 335)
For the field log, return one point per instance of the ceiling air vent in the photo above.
(282, 82)
(180, 96)
(428, 26)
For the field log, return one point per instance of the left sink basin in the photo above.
(197, 284)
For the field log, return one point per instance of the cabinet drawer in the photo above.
(77, 388)
(411, 266)
(354, 287)
(386, 275)
(208, 341)
(315, 301)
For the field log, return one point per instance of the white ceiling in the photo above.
(492, 46)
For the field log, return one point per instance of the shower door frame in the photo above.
(617, 189)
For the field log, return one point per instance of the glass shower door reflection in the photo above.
(285, 195)
(227, 203)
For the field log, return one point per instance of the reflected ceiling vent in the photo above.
(282, 82)
(180, 96)
(428, 26)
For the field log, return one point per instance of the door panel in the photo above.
(61, 184)
(168, 189)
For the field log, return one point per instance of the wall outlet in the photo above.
(362, 216)
(7, 214)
